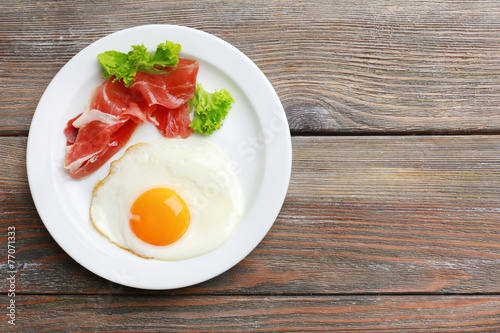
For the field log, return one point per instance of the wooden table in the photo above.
(392, 217)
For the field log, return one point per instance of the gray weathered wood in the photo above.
(398, 215)
(338, 66)
(362, 215)
(108, 312)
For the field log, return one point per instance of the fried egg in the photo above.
(170, 199)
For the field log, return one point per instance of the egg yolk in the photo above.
(159, 216)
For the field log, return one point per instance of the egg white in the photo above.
(197, 169)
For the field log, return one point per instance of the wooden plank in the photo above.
(257, 314)
(338, 66)
(362, 215)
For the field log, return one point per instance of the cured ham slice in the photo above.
(115, 111)
(173, 122)
(169, 90)
(163, 98)
(115, 99)
(96, 144)
(99, 132)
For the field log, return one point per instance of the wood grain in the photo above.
(363, 215)
(257, 314)
(360, 66)
(392, 219)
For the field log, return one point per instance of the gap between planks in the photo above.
(7, 134)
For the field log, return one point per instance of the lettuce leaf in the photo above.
(124, 66)
(210, 109)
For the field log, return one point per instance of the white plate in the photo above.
(255, 135)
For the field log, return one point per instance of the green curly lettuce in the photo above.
(209, 109)
(124, 66)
